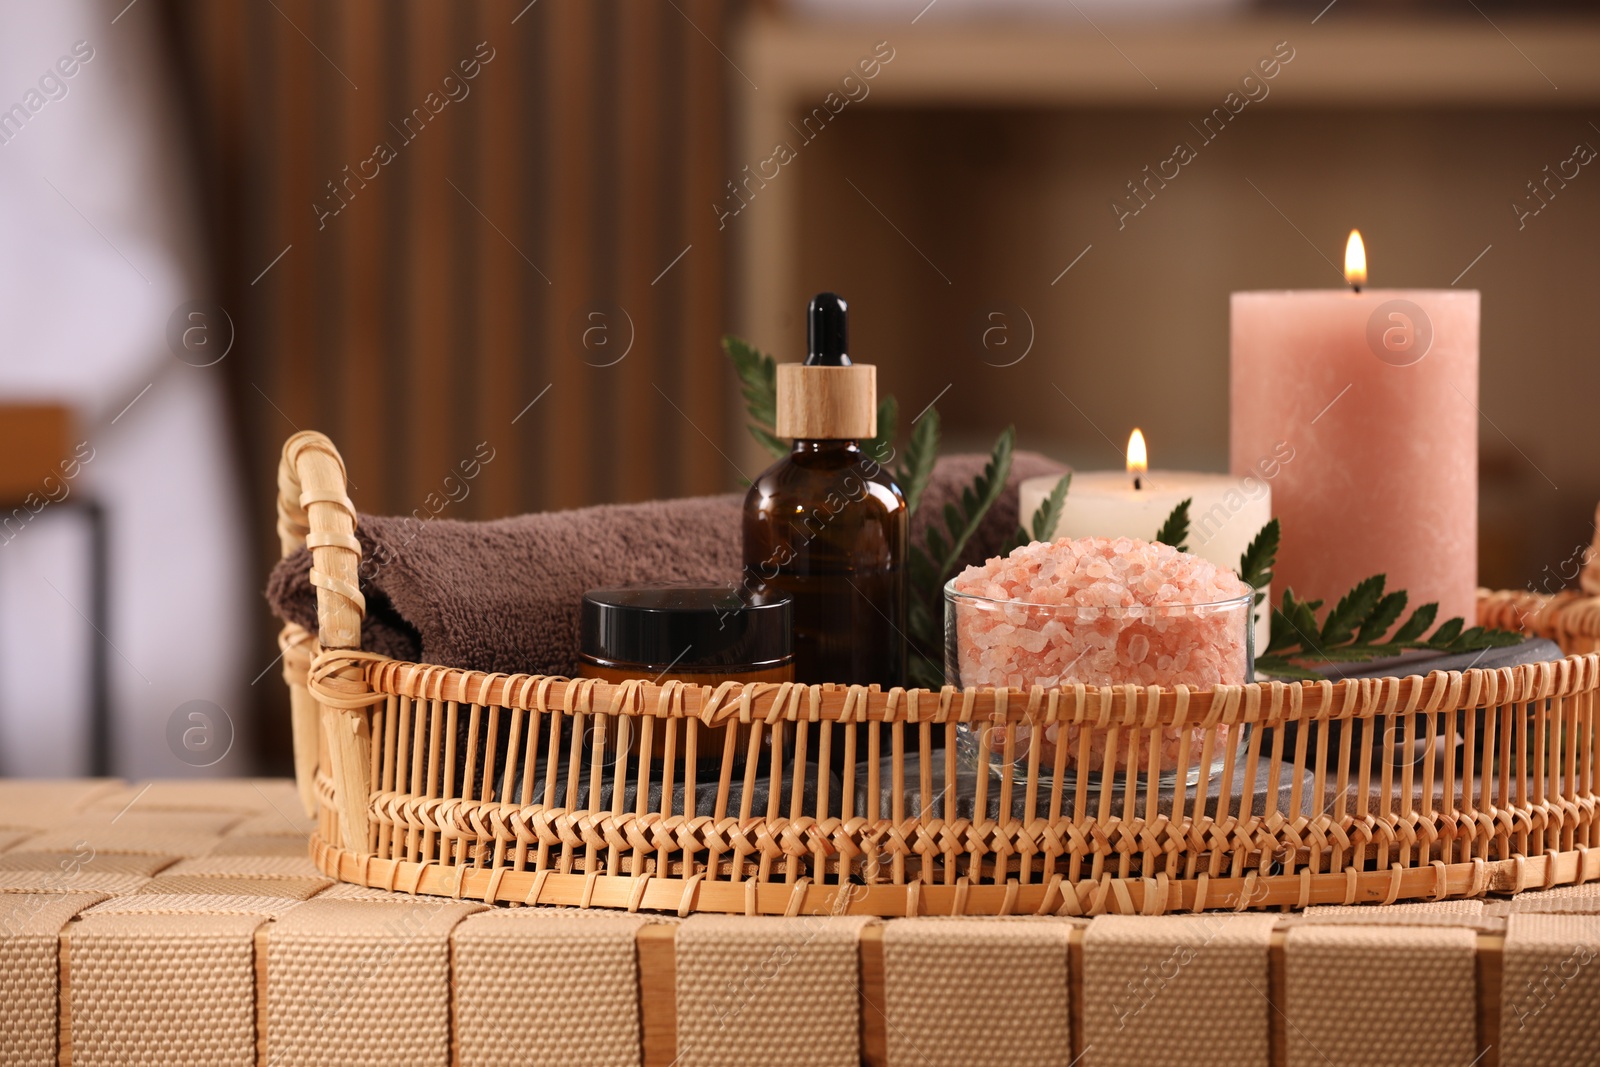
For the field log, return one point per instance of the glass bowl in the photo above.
(1016, 645)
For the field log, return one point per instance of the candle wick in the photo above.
(1355, 288)
(1137, 482)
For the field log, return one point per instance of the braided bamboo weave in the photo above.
(470, 785)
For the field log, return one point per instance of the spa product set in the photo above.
(1141, 577)
(822, 596)
(889, 683)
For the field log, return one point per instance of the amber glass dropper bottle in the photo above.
(825, 526)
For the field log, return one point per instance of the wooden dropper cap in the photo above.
(827, 397)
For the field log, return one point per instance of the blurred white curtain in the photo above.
(97, 213)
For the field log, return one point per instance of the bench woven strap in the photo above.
(1550, 990)
(768, 990)
(1577, 899)
(289, 889)
(932, 968)
(229, 866)
(162, 989)
(86, 881)
(30, 930)
(563, 966)
(361, 982)
(1171, 989)
(1426, 994)
(250, 901)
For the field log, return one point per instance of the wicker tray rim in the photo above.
(352, 679)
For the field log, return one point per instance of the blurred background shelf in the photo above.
(1396, 59)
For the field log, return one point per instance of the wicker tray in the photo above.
(458, 783)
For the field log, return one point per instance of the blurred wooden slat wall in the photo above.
(451, 289)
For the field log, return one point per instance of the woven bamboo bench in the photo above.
(463, 784)
(174, 922)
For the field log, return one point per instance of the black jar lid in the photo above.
(684, 626)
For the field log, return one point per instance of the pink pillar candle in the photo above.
(1373, 398)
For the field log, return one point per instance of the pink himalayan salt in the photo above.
(1101, 612)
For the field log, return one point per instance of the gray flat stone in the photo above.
(1262, 795)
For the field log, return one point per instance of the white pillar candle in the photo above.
(1225, 516)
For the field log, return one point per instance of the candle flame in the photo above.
(1138, 459)
(1355, 260)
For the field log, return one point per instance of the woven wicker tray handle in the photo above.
(314, 510)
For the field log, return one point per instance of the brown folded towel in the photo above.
(504, 595)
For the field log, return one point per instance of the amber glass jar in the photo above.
(696, 634)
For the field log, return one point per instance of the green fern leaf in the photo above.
(1255, 565)
(1175, 531)
(1048, 514)
(912, 476)
(1353, 609)
(881, 447)
(758, 382)
(1384, 615)
(1417, 625)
